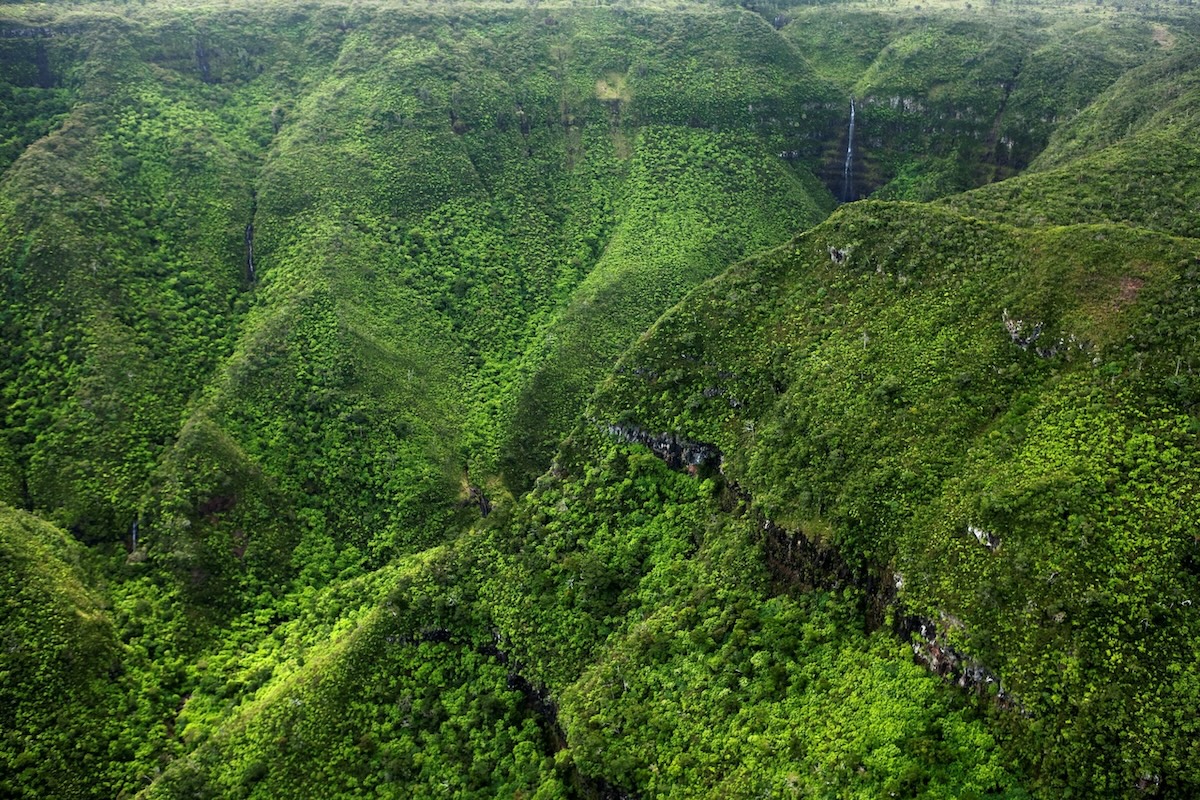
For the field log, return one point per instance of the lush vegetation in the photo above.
(480, 400)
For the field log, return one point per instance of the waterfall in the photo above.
(250, 253)
(133, 533)
(848, 167)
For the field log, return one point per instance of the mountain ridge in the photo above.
(343, 345)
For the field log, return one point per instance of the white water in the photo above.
(848, 167)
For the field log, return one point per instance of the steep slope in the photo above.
(670, 664)
(34, 93)
(1128, 159)
(275, 284)
(907, 422)
(683, 667)
(372, 689)
(58, 702)
(953, 99)
(696, 201)
(310, 321)
(277, 300)
(1000, 423)
(121, 276)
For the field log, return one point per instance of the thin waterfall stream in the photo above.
(250, 275)
(848, 166)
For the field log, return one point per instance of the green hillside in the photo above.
(612, 400)
(59, 705)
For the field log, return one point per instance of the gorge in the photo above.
(599, 400)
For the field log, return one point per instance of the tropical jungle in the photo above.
(599, 399)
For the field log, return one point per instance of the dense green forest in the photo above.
(600, 399)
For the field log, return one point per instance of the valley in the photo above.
(607, 400)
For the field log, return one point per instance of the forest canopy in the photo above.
(599, 400)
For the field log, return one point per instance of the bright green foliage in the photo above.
(956, 99)
(894, 380)
(294, 295)
(219, 512)
(57, 657)
(33, 97)
(423, 209)
(1130, 158)
(384, 706)
(694, 202)
(774, 701)
(679, 674)
(121, 235)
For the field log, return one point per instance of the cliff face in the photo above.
(440, 401)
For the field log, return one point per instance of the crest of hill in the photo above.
(1128, 159)
(293, 293)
